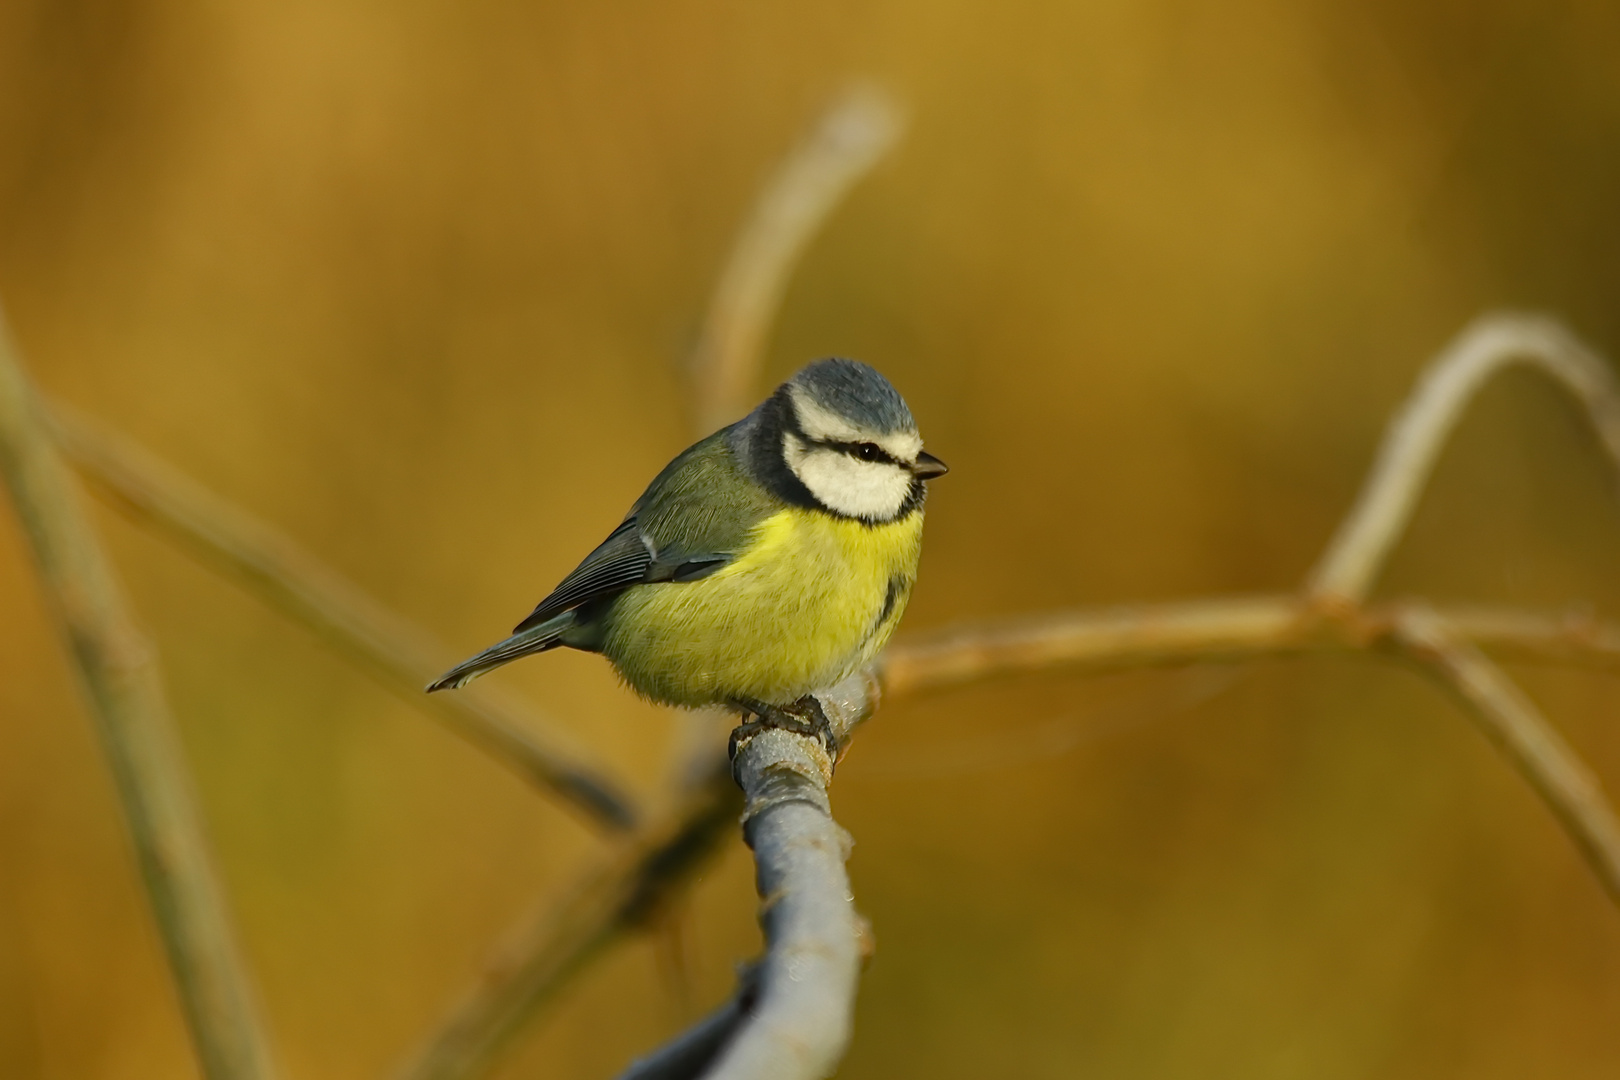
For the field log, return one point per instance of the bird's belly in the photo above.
(811, 601)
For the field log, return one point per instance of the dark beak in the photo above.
(928, 466)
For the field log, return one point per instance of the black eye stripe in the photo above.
(861, 451)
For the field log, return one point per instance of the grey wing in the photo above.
(627, 557)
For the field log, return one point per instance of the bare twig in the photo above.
(1571, 639)
(848, 141)
(391, 650)
(689, 1054)
(118, 671)
(1124, 637)
(796, 1023)
(1419, 431)
(614, 897)
(1330, 614)
(1229, 629)
(1514, 725)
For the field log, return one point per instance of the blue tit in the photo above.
(772, 559)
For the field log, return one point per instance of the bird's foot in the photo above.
(803, 717)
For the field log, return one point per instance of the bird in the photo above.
(769, 560)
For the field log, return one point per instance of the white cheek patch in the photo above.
(875, 490)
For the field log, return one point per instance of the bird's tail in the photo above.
(536, 639)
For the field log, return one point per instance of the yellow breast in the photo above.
(810, 601)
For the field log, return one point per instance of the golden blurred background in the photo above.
(415, 283)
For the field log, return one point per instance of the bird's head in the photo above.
(841, 435)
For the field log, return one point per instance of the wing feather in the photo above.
(693, 519)
(620, 561)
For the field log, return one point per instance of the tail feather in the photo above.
(536, 639)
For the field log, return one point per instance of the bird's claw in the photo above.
(803, 717)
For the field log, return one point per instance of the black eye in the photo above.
(869, 452)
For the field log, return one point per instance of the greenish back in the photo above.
(703, 503)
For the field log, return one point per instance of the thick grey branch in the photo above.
(1419, 431)
(119, 673)
(793, 1021)
(801, 1023)
(391, 650)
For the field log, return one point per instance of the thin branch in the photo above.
(1330, 614)
(853, 134)
(796, 1023)
(1571, 639)
(1090, 639)
(1514, 725)
(1229, 629)
(118, 671)
(689, 1054)
(1419, 431)
(399, 656)
(616, 896)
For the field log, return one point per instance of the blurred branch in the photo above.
(1514, 726)
(850, 138)
(118, 670)
(1176, 633)
(1232, 629)
(686, 1056)
(1420, 429)
(792, 1017)
(617, 895)
(1331, 614)
(395, 653)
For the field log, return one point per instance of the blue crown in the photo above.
(857, 392)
